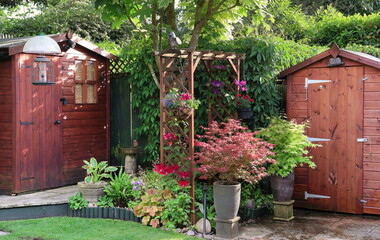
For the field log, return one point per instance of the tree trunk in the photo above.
(171, 18)
(155, 25)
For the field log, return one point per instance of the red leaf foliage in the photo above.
(230, 152)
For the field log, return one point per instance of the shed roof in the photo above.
(334, 51)
(16, 45)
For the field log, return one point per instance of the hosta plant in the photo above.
(97, 171)
(230, 152)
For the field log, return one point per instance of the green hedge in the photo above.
(346, 30)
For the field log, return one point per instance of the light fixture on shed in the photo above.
(43, 67)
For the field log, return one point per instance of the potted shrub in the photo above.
(230, 153)
(92, 187)
(291, 148)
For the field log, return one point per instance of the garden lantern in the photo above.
(43, 67)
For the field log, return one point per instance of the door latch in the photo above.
(57, 122)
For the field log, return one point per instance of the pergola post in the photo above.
(177, 69)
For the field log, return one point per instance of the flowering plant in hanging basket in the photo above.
(244, 101)
(175, 99)
(229, 152)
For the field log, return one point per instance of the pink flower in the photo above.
(183, 183)
(244, 89)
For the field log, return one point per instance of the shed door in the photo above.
(335, 110)
(40, 135)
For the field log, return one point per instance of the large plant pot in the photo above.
(245, 113)
(282, 188)
(92, 191)
(226, 199)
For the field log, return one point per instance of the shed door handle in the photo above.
(57, 122)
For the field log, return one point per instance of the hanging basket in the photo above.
(183, 113)
(245, 113)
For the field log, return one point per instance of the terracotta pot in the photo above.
(92, 191)
(282, 188)
(226, 199)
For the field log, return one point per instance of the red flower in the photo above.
(166, 169)
(246, 97)
(160, 168)
(183, 174)
(185, 96)
(183, 183)
(251, 100)
(239, 95)
(238, 103)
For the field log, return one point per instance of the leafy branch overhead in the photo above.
(158, 18)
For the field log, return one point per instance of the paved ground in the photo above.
(314, 225)
(306, 225)
(48, 197)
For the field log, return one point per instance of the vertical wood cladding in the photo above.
(335, 111)
(85, 126)
(6, 128)
(371, 149)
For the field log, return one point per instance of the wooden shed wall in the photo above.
(85, 126)
(371, 158)
(6, 128)
(297, 108)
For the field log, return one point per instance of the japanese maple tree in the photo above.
(230, 152)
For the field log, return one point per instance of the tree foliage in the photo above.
(158, 18)
(347, 7)
(79, 16)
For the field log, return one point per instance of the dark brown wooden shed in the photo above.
(338, 91)
(46, 131)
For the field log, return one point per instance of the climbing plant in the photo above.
(265, 58)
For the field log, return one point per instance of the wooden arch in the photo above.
(177, 68)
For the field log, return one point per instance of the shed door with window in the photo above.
(39, 154)
(335, 110)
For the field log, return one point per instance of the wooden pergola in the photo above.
(177, 68)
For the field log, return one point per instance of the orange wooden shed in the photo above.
(46, 131)
(338, 91)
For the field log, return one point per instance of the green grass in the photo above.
(66, 228)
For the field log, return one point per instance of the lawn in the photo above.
(66, 228)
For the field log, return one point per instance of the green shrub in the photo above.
(291, 145)
(119, 189)
(345, 30)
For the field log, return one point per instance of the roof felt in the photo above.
(334, 52)
(15, 45)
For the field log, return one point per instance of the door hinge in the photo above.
(363, 201)
(311, 139)
(26, 123)
(25, 66)
(361, 140)
(310, 195)
(309, 81)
